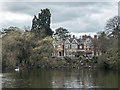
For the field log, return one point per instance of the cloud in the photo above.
(11, 19)
(89, 18)
(60, 1)
(77, 17)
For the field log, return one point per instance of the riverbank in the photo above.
(64, 63)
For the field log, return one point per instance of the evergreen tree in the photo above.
(34, 23)
(42, 23)
(62, 33)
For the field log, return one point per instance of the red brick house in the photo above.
(72, 46)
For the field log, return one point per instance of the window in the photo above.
(74, 45)
(73, 53)
(59, 45)
(67, 46)
(88, 40)
(69, 53)
(65, 53)
(80, 46)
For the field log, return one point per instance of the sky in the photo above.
(78, 17)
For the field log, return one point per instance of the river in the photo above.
(82, 78)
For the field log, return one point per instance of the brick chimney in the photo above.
(73, 36)
(95, 36)
(95, 45)
(83, 37)
(69, 36)
(80, 38)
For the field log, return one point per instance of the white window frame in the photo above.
(81, 46)
(74, 46)
(67, 46)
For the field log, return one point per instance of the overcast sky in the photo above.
(77, 17)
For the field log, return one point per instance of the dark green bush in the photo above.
(68, 59)
(77, 55)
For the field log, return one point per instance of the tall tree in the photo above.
(108, 43)
(113, 26)
(62, 33)
(42, 23)
(102, 41)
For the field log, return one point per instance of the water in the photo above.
(84, 78)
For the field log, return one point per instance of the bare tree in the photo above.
(113, 26)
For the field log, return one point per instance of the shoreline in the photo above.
(62, 68)
(63, 63)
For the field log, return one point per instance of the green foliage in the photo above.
(80, 57)
(107, 43)
(109, 59)
(68, 59)
(62, 33)
(41, 25)
(34, 48)
(23, 49)
(77, 55)
(95, 59)
(102, 42)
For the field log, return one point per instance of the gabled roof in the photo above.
(71, 39)
(74, 40)
(79, 41)
(66, 40)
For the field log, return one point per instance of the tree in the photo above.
(102, 42)
(113, 31)
(42, 23)
(10, 48)
(108, 43)
(21, 48)
(62, 33)
(113, 27)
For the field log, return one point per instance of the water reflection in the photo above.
(84, 78)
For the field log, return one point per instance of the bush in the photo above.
(95, 59)
(68, 59)
(80, 57)
(77, 55)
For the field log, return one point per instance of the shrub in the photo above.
(68, 59)
(77, 55)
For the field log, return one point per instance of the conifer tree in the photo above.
(42, 23)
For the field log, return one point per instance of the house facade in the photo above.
(58, 45)
(72, 46)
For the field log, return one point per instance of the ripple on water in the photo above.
(60, 79)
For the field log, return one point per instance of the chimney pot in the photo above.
(95, 36)
(69, 36)
(73, 36)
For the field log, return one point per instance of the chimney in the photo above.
(69, 36)
(80, 37)
(95, 49)
(73, 36)
(83, 37)
(95, 36)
